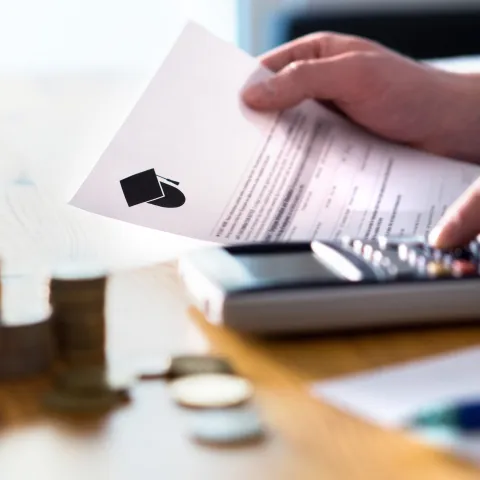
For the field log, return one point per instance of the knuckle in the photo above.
(298, 69)
(330, 43)
(299, 73)
(324, 43)
(364, 64)
(321, 44)
(320, 36)
(361, 43)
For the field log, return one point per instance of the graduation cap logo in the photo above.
(145, 187)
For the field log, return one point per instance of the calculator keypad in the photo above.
(404, 258)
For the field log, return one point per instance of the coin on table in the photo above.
(182, 365)
(211, 390)
(226, 426)
(26, 344)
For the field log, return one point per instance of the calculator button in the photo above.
(432, 253)
(463, 267)
(474, 248)
(346, 241)
(368, 252)
(403, 252)
(421, 263)
(394, 266)
(438, 269)
(357, 246)
(377, 257)
(395, 242)
(447, 259)
(413, 257)
(461, 253)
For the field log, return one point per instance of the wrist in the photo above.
(457, 132)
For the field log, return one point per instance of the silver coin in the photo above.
(227, 426)
(213, 390)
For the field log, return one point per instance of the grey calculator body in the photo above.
(333, 285)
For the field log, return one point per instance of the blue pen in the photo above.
(462, 415)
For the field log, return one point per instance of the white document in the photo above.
(241, 176)
(390, 396)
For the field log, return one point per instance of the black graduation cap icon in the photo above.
(145, 187)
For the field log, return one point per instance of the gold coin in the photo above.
(83, 380)
(84, 357)
(214, 390)
(26, 346)
(437, 269)
(183, 365)
(86, 339)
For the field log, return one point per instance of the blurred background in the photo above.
(419, 28)
(67, 34)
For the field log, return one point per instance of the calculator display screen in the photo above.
(286, 268)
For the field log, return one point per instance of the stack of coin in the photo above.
(217, 398)
(26, 346)
(77, 296)
(86, 389)
(229, 426)
(26, 341)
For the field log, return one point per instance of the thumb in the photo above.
(461, 222)
(323, 79)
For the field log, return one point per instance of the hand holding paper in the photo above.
(245, 176)
(387, 93)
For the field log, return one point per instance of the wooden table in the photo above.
(46, 150)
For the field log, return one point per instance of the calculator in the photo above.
(344, 284)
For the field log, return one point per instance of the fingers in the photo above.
(325, 79)
(310, 47)
(314, 47)
(461, 222)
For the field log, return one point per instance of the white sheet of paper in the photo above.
(246, 176)
(390, 396)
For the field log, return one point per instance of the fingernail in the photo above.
(446, 233)
(434, 234)
(257, 94)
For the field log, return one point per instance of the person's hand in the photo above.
(385, 92)
(461, 222)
